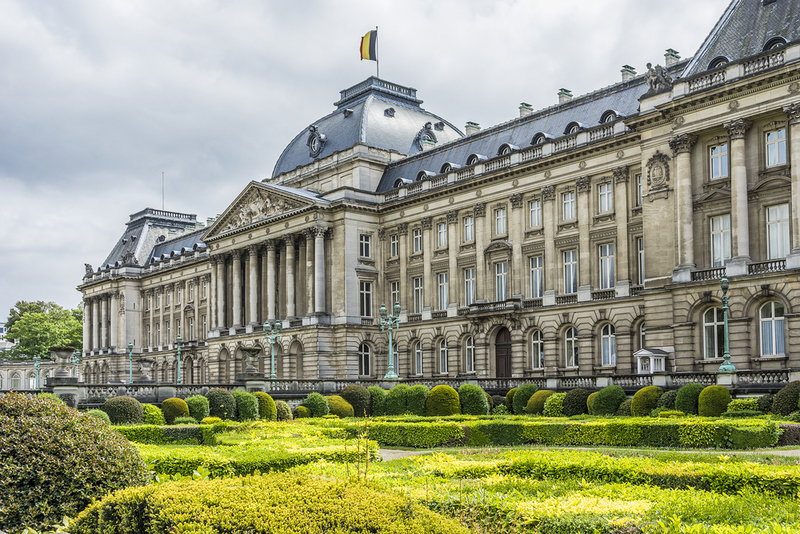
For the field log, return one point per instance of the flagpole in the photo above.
(377, 55)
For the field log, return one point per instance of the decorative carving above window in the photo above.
(425, 134)
(315, 141)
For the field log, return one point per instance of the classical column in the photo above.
(301, 277)
(479, 211)
(264, 297)
(309, 235)
(212, 304)
(253, 283)
(739, 217)
(584, 214)
(222, 315)
(549, 226)
(319, 270)
(161, 333)
(681, 146)
(515, 235)
(95, 323)
(270, 246)
(114, 313)
(452, 256)
(237, 287)
(151, 296)
(181, 314)
(87, 323)
(291, 310)
(104, 321)
(430, 285)
(793, 113)
(406, 299)
(621, 216)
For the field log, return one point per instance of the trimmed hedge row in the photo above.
(162, 435)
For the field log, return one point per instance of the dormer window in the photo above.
(775, 42)
(401, 182)
(422, 175)
(609, 116)
(475, 158)
(540, 138)
(506, 149)
(572, 128)
(717, 62)
(448, 167)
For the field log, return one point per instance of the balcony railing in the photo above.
(440, 314)
(762, 267)
(604, 294)
(498, 163)
(707, 80)
(567, 299)
(764, 62)
(708, 274)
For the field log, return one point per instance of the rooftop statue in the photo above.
(657, 78)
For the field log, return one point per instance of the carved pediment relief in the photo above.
(498, 246)
(715, 195)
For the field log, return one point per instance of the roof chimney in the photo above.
(472, 127)
(525, 109)
(564, 95)
(627, 73)
(671, 57)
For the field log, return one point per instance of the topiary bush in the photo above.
(198, 407)
(442, 400)
(686, 399)
(765, 403)
(590, 402)
(210, 420)
(510, 399)
(51, 396)
(500, 410)
(302, 412)
(498, 400)
(340, 407)
(153, 415)
(415, 400)
(103, 416)
(473, 400)
(553, 405)
(667, 400)
(173, 408)
(282, 411)
(521, 397)
(489, 401)
(397, 400)
(266, 406)
(377, 400)
(713, 401)
(185, 420)
(123, 410)
(738, 405)
(786, 400)
(359, 398)
(575, 402)
(608, 400)
(56, 460)
(536, 402)
(645, 400)
(246, 405)
(221, 404)
(624, 409)
(317, 404)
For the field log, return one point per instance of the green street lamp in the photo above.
(273, 336)
(726, 367)
(130, 362)
(178, 341)
(390, 322)
(36, 360)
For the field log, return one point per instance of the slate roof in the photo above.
(190, 242)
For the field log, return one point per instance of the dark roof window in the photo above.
(717, 62)
(775, 42)
(401, 182)
(422, 175)
(573, 127)
(609, 116)
(448, 167)
(541, 138)
(506, 148)
(475, 158)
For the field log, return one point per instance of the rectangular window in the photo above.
(469, 355)
(469, 229)
(148, 302)
(365, 298)
(776, 147)
(191, 292)
(778, 231)
(640, 258)
(168, 331)
(607, 266)
(178, 330)
(441, 235)
(537, 276)
(394, 290)
(204, 322)
(205, 289)
(570, 271)
(606, 197)
(178, 296)
(418, 358)
(720, 240)
(149, 337)
(568, 203)
(469, 286)
(168, 295)
(443, 279)
(417, 240)
(500, 221)
(158, 333)
(364, 242)
(535, 213)
(158, 300)
(719, 161)
(639, 190)
(418, 295)
(191, 328)
(501, 279)
(394, 246)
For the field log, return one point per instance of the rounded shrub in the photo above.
(553, 405)
(473, 400)
(100, 414)
(317, 404)
(667, 400)
(246, 405)
(590, 402)
(282, 411)
(56, 461)
(686, 399)
(442, 400)
(765, 403)
(713, 401)
(489, 401)
(377, 400)
(221, 404)
(498, 400)
(645, 400)
(397, 400)
(123, 410)
(266, 406)
(510, 399)
(301, 412)
(359, 398)
(738, 405)
(210, 420)
(536, 402)
(608, 400)
(624, 409)
(522, 396)
(786, 400)
(340, 407)
(51, 396)
(415, 400)
(153, 415)
(575, 402)
(185, 420)
(500, 410)
(198, 407)
(173, 408)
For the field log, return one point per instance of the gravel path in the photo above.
(394, 454)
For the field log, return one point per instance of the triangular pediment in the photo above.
(716, 194)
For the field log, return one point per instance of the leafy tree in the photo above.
(23, 306)
(38, 331)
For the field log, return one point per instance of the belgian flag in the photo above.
(369, 46)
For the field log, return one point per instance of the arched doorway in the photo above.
(502, 353)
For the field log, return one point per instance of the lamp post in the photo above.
(178, 341)
(727, 366)
(390, 322)
(273, 335)
(130, 362)
(36, 360)
(76, 358)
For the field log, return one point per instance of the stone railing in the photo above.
(532, 303)
(439, 181)
(763, 378)
(439, 314)
(707, 80)
(632, 381)
(706, 379)
(465, 173)
(604, 294)
(498, 164)
(567, 299)
(601, 132)
(531, 153)
(708, 274)
(572, 382)
(565, 143)
(766, 61)
(772, 266)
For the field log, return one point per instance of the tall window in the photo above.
(469, 286)
(364, 242)
(443, 356)
(720, 240)
(500, 221)
(168, 331)
(191, 328)
(719, 161)
(469, 229)
(178, 330)
(639, 189)
(158, 300)
(537, 350)
(776, 147)
(441, 235)
(469, 355)
(204, 321)
(394, 246)
(148, 301)
(772, 329)
(363, 360)
(417, 240)
(568, 204)
(418, 295)
(442, 278)
(535, 213)
(501, 278)
(778, 231)
(608, 341)
(640, 258)
(607, 266)
(642, 336)
(713, 328)
(571, 347)
(191, 292)
(418, 357)
(365, 298)
(570, 271)
(606, 197)
(167, 297)
(149, 337)
(158, 334)
(537, 276)
(394, 293)
(16, 381)
(178, 295)
(205, 289)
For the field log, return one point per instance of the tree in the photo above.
(23, 306)
(38, 331)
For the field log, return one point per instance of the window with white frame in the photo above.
(606, 197)
(364, 245)
(607, 266)
(442, 279)
(148, 302)
(178, 295)
(441, 235)
(191, 292)
(642, 336)
(365, 298)
(418, 292)
(394, 293)
(720, 240)
(191, 328)
(500, 221)
(158, 300)
(570, 271)
(772, 329)
(418, 357)
(640, 258)
(639, 189)
(149, 336)
(537, 276)
(776, 147)
(535, 213)
(31, 380)
(778, 231)
(469, 355)
(168, 331)
(719, 160)
(205, 289)
(364, 360)
(204, 320)
(16, 381)
(469, 229)
(416, 240)
(608, 342)
(713, 332)
(158, 333)
(537, 350)
(167, 297)
(568, 205)
(501, 280)
(178, 330)
(571, 347)
(443, 357)
(394, 246)
(469, 286)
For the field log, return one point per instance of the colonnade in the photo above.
(101, 321)
(165, 322)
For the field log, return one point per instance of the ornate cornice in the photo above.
(426, 223)
(402, 229)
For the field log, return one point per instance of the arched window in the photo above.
(469, 354)
(572, 128)
(571, 347)
(718, 61)
(443, 356)
(775, 42)
(713, 332)
(506, 149)
(608, 116)
(475, 158)
(772, 329)
(16, 381)
(418, 357)
(399, 183)
(363, 360)
(31, 380)
(608, 341)
(537, 350)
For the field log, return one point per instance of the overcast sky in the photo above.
(97, 98)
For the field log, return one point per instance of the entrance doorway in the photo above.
(502, 353)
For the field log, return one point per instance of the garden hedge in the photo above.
(748, 403)
(645, 400)
(575, 402)
(521, 398)
(246, 405)
(359, 398)
(103, 416)
(397, 400)
(153, 415)
(266, 406)
(221, 404)
(473, 400)
(624, 409)
(713, 401)
(123, 410)
(162, 435)
(590, 402)
(339, 407)
(198, 407)
(416, 398)
(442, 400)
(667, 400)
(536, 402)
(553, 405)
(377, 400)
(302, 412)
(686, 399)
(173, 408)
(283, 412)
(510, 399)
(786, 400)
(608, 400)
(317, 405)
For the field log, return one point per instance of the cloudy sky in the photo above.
(98, 98)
